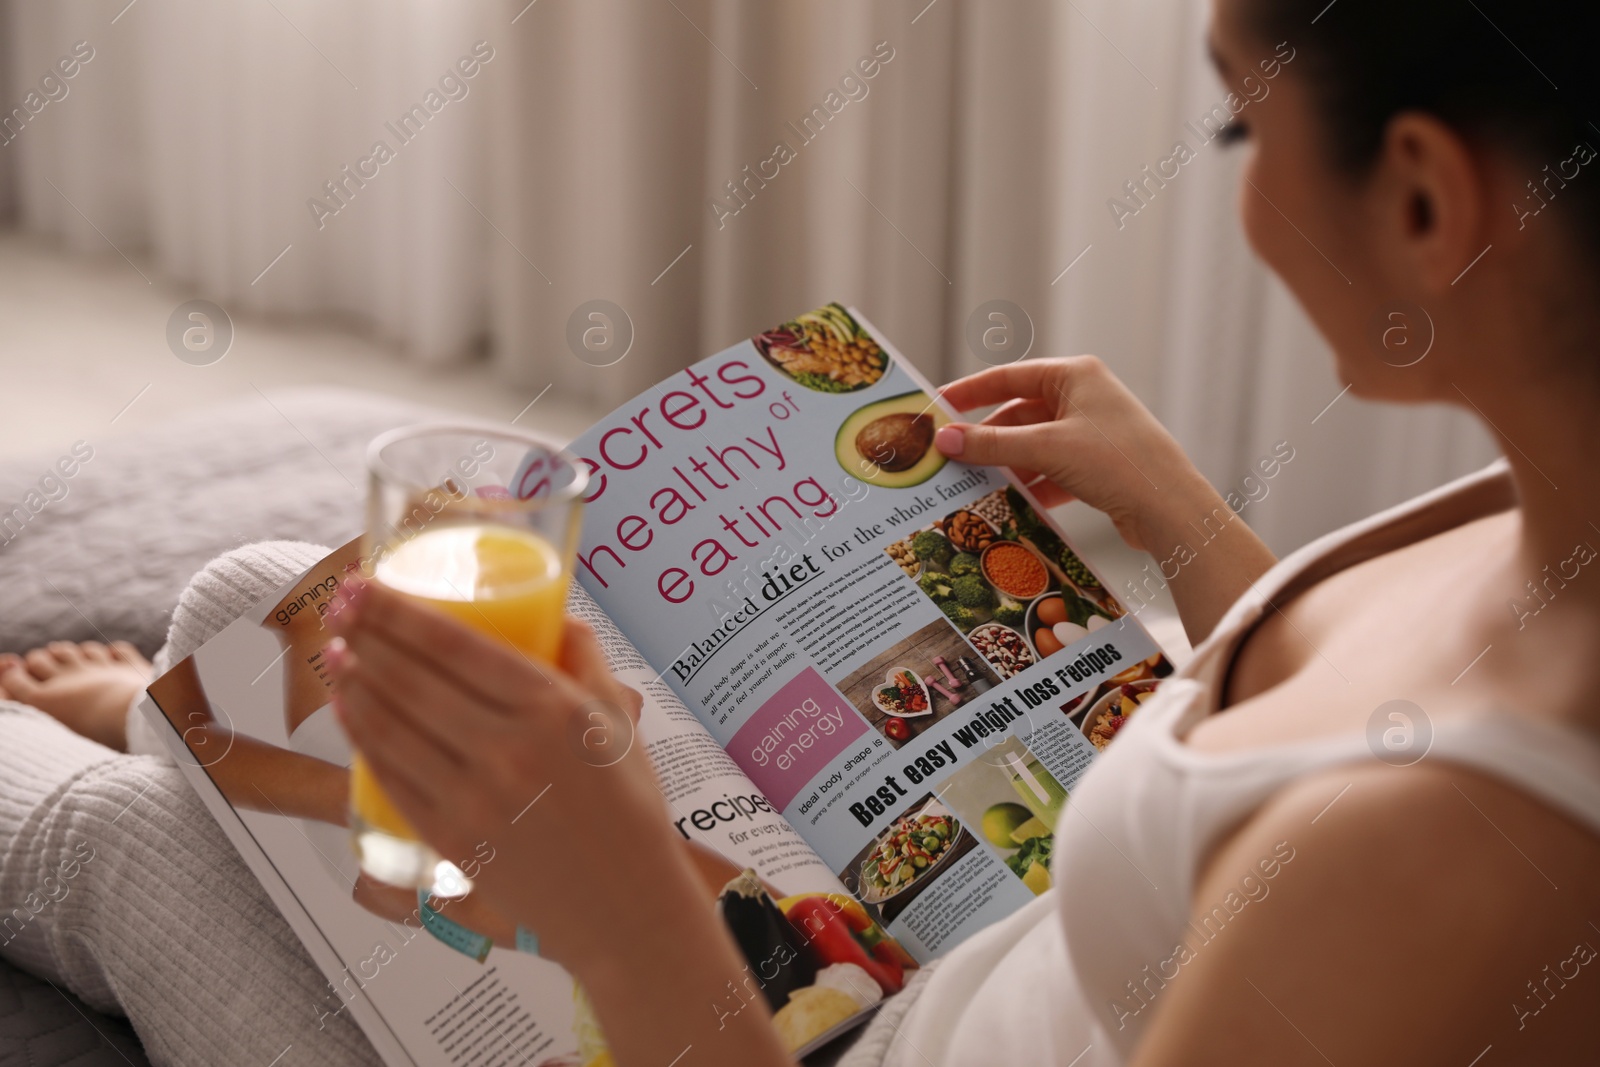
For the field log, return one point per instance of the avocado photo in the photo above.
(889, 443)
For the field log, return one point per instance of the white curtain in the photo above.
(199, 131)
(584, 160)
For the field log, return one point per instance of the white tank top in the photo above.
(1052, 984)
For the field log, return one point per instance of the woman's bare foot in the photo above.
(87, 686)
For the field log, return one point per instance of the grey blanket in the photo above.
(107, 557)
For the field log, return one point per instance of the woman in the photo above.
(1395, 914)
(1273, 863)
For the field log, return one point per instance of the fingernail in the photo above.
(338, 655)
(950, 440)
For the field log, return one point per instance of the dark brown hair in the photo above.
(1519, 76)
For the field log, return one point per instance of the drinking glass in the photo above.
(482, 524)
(1038, 788)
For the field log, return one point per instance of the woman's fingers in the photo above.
(431, 803)
(404, 709)
(1045, 379)
(632, 702)
(429, 700)
(1025, 411)
(467, 659)
(1014, 436)
(387, 737)
(584, 659)
(996, 384)
(435, 818)
(992, 446)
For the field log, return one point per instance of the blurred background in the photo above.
(411, 197)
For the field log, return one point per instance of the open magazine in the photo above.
(872, 678)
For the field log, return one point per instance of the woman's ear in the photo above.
(1434, 201)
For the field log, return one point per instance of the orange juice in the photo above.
(504, 582)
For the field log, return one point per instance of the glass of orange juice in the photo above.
(481, 524)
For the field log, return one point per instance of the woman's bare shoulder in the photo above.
(1422, 915)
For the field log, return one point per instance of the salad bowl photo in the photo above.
(904, 695)
(825, 350)
(907, 853)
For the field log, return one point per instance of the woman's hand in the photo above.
(1070, 430)
(492, 756)
(487, 753)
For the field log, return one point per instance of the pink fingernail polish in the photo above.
(950, 440)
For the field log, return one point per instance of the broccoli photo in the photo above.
(1009, 613)
(971, 591)
(935, 585)
(931, 544)
(962, 617)
(964, 563)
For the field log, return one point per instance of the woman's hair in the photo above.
(1519, 76)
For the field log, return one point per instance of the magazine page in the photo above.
(248, 719)
(900, 651)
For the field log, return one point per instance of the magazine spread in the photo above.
(872, 678)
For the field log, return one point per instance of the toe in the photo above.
(125, 652)
(17, 683)
(95, 652)
(41, 663)
(67, 653)
(9, 661)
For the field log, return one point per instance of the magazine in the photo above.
(871, 678)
